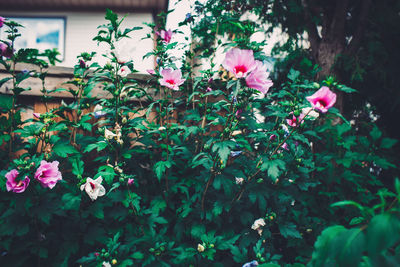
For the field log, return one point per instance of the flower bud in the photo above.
(114, 262)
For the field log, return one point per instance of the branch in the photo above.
(362, 19)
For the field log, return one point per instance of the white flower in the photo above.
(124, 71)
(108, 134)
(200, 248)
(258, 224)
(94, 188)
(311, 112)
(161, 128)
(122, 51)
(239, 180)
(106, 264)
(98, 111)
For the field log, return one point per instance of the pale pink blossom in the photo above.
(48, 174)
(294, 121)
(16, 186)
(165, 35)
(151, 71)
(131, 181)
(209, 89)
(323, 99)
(93, 188)
(285, 146)
(239, 62)
(171, 78)
(258, 78)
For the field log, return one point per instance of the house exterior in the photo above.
(70, 25)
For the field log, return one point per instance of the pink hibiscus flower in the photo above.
(171, 78)
(258, 78)
(2, 20)
(16, 186)
(323, 99)
(165, 35)
(239, 62)
(294, 121)
(48, 174)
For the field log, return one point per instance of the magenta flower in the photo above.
(16, 186)
(323, 99)
(165, 35)
(294, 121)
(209, 89)
(48, 174)
(2, 20)
(239, 62)
(171, 78)
(131, 181)
(258, 78)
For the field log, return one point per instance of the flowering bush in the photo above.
(213, 169)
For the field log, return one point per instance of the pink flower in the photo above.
(323, 99)
(285, 146)
(151, 71)
(209, 89)
(48, 174)
(16, 186)
(272, 137)
(165, 35)
(5, 50)
(2, 20)
(258, 78)
(295, 120)
(36, 115)
(239, 62)
(131, 181)
(124, 71)
(171, 78)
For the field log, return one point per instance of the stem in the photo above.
(213, 173)
(240, 193)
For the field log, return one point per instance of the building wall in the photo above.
(81, 27)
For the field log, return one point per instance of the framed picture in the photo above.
(40, 32)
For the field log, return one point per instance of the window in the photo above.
(40, 32)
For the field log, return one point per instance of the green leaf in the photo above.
(63, 149)
(273, 167)
(388, 142)
(107, 172)
(160, 167)
(322, 247)
(71, 201)
(77, 166)
(375, 133)
(6, 102)
(137, 255)
(4, 80)
(289, 230)
(293, 75)
(380, 234)
(223, 149)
